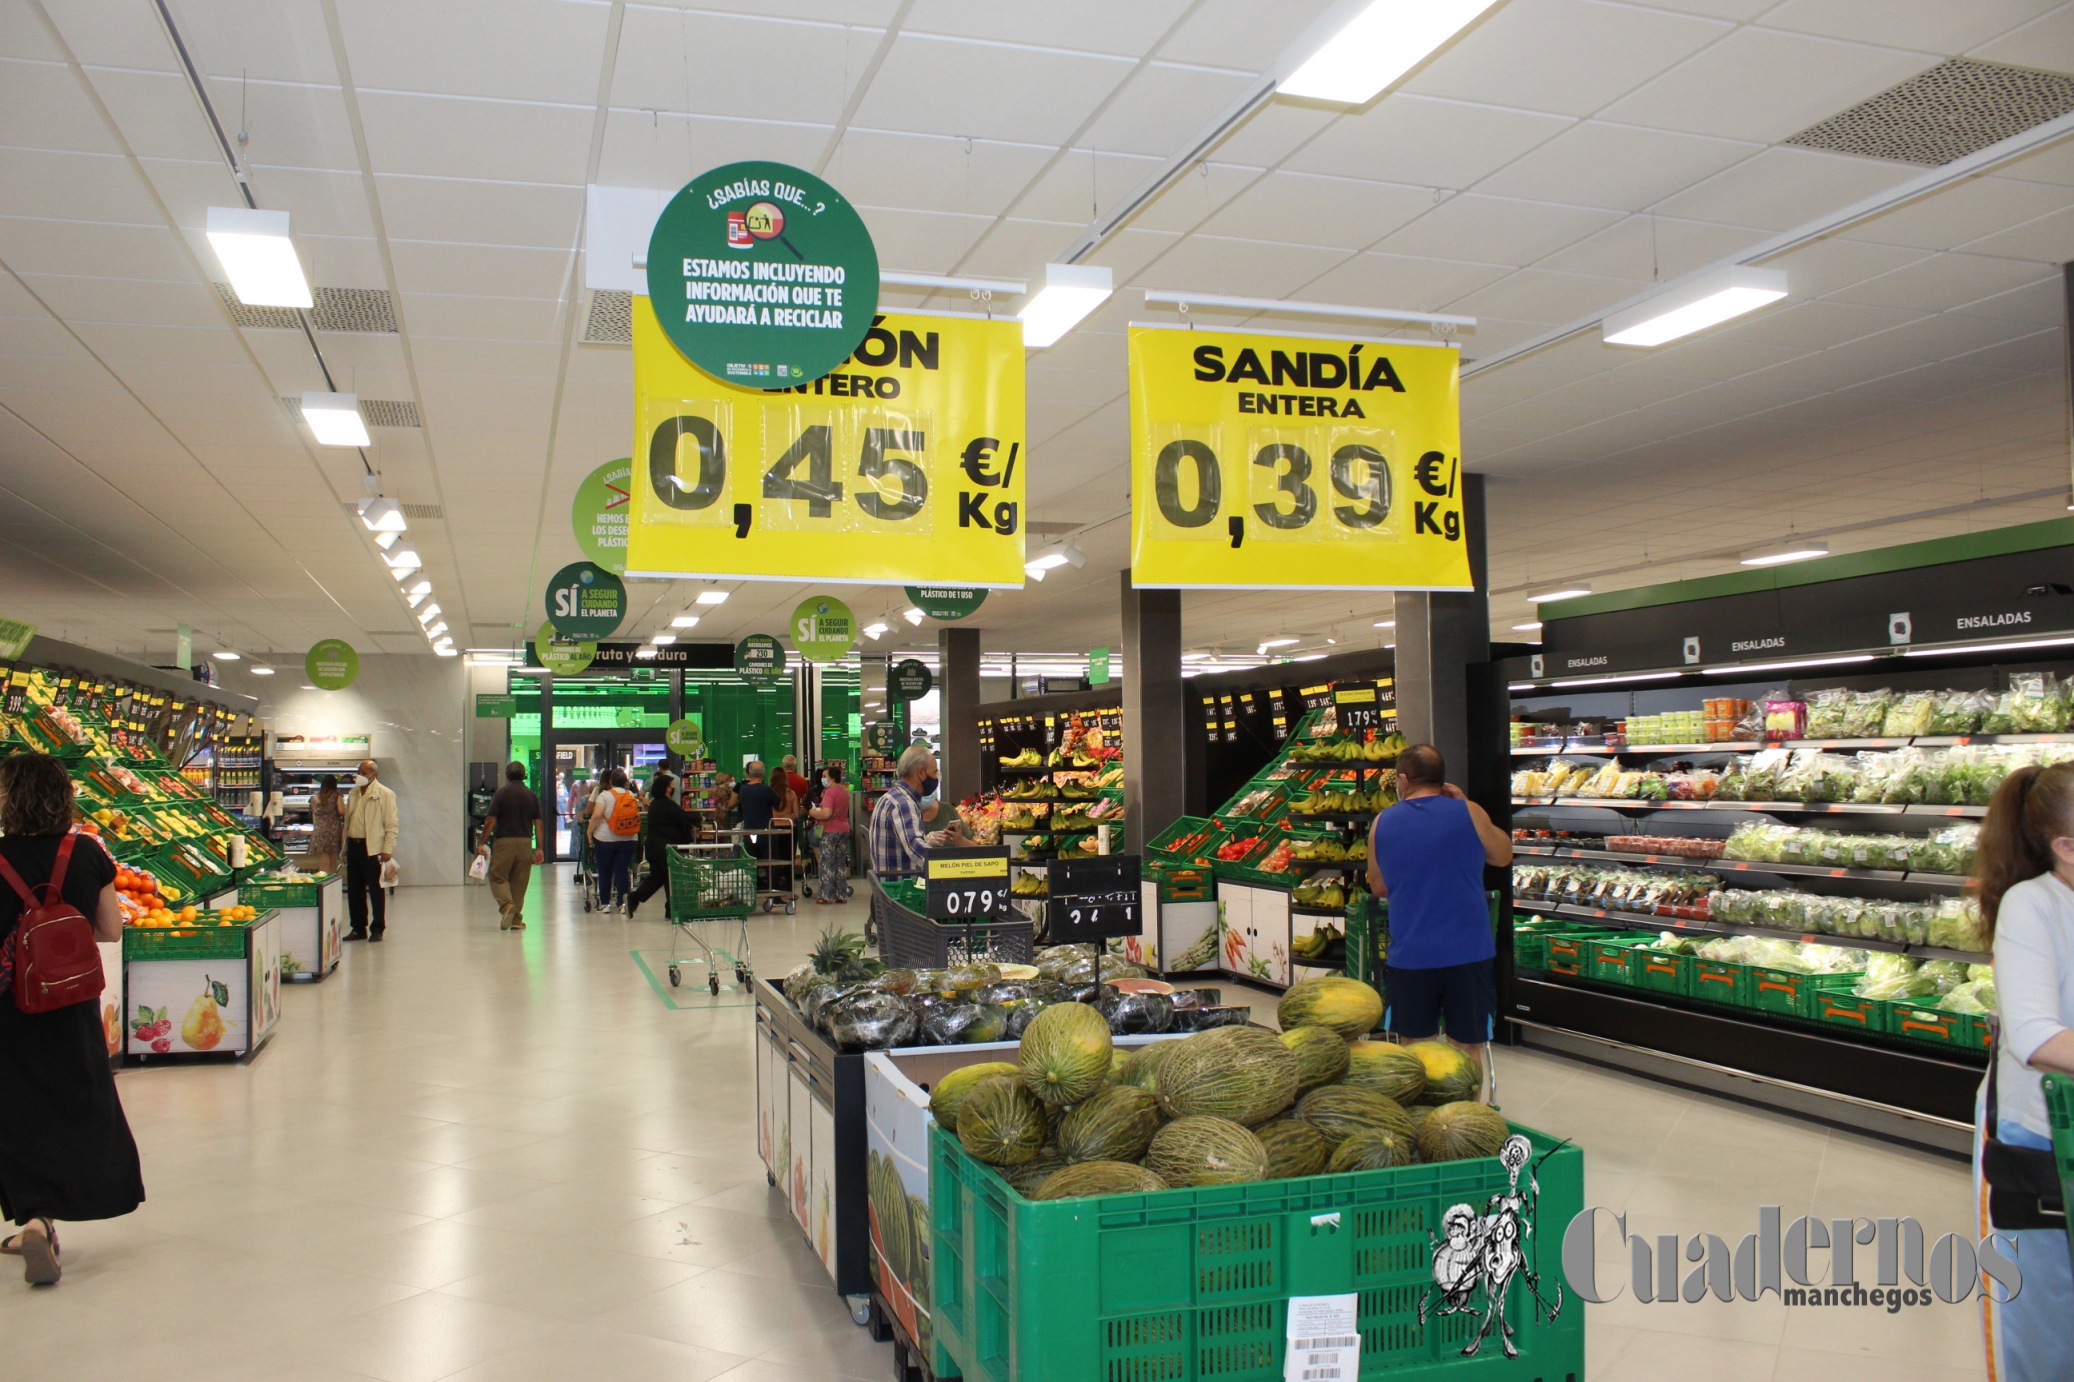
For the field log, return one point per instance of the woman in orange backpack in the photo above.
(65, 1147)
(615, 834)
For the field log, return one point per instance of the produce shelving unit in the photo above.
(1884, 641)
(1064, 734)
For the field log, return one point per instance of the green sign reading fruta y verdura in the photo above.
(762, 275)
(946, 602)
(584, 600)
(331, 664)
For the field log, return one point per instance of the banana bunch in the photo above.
(1341, 803)
(1018, 820)
(1077, 791)
(1384, 750)
(1029, 885)
(1358, 851)
(1327, 851)
(1028, 758)
(1317, 942)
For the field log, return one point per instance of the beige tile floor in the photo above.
(498, 1158)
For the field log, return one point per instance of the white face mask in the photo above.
(361, 779)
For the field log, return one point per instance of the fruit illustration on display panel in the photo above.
(153, 1027)
(204, 1027)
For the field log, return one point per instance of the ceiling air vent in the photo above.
(611, 319)
(375, 412)
(335, 309)
(1956, 108)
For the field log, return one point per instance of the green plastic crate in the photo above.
(1840, 1007)
(1931, 1026)
(1663, 971)
(1611, 959)
(1192, 1285)
(187, 943)
(2059, 1110)
(1721, 981)
(1568, 953)
(1183, 827)
(1529, 945)
(266, 894)
(1790, 993)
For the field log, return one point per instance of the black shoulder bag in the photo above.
(2023, 1182)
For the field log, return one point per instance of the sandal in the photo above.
(39, 1253)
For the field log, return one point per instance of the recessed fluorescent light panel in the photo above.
(1377, 46)
(712, 597)
(225, 655)
(1792, 551)
(685, 621)
(262, 671)
(663, 640)
(1068, 294)
(1707, 301)
(258, 257)
(334, 420)
(1568, 592)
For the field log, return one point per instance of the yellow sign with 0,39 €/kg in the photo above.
(902, 466)
(1297, 463)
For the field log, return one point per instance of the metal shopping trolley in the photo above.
(712, 892)
(777, 871)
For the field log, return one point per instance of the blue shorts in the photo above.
(1466, 995)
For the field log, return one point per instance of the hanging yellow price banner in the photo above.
(1279, 461)
(918, 435)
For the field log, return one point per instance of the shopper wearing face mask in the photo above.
(370, 843)
(832, 850)
(897, 838)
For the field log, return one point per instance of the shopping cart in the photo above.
(712, 888)
(777, 871)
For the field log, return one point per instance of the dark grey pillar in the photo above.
(1154, 727)
(1439, 633)
(957, 657)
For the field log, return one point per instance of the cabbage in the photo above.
(1976, 997)
(1943, 975)
(1955, 925)
(1892, 977)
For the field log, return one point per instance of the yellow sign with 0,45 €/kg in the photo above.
(902, 466)
(1292, 462)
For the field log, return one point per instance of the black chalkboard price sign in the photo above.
(1358, 706)
(1094, 898)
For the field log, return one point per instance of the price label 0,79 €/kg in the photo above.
(1292, 462)
(919, 434)
(967, 883)
(1094, 899)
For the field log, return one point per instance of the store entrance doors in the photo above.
(579, 763)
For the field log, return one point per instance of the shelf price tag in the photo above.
(1358, 706)
(1295, 463)
(966, 883)
(918, 435)
(1094, 898)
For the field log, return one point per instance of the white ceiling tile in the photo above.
(2049, 239)
(1537, 295)
(1245, 268)
(1825, 267)
(1496, 230)
(73, 186)
(921, 241)
(481, 212)
(157, 114)
(485, 270)
(1930, 28)
(971, 177)
(513, 360)
(1239, 35)
(1764, 85)
(1130, 251)
(1815, 325)
(1341, 213)
(2043, 303)
(1086, 25)
(117, 300)
(273, 44)
(676, 60)
(1948, 282)
(1426, 142)
(331, 261)
(476, 318)
(42, 107)
(1781, 188)
(1274, 131)
(1160, 108)
(523, 50)
(1569, 57)
(1018, 248)
(1961, 215)
(1402, 281)
(318, 203)
(510, 141)
(938, 86)
(1647, 248)
(1614, 166)
(86, 248)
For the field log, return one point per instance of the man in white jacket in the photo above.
(370, 843)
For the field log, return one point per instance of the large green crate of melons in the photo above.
(1193, 1285)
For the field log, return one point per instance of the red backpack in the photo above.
(50, 959)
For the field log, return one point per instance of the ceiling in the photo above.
(1548, 165)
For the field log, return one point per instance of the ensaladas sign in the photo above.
(1294, 462)
(774, 403)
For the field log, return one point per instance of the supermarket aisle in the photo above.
(502, 1159)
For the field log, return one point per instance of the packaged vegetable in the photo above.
(1958, 712)
(1955, 925)
(1785, 719)
(1942, 976)
(2036, 703)
(1976, 997)
(1912, 712)
(1890, 976)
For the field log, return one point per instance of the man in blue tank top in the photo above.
(1427, 854)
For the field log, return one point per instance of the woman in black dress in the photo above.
(65, 1148)
(668, 824)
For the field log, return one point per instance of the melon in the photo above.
(1116, 1124)
(1385, 1068)
(1452, 1074)
(949, 1095)
(1241, 1073)
(1419, 1114)
(1034, 1172)
(1321, 1055)
(1348, 1006)
(1337, 1111)
(1001, 1122)
(1118, 1059)
(1294, 1148)
(1139, 1066)
(1065, 1053)
(1373, 1149)
(1458, 1131)
(1206, 1151)
(1097, 1178)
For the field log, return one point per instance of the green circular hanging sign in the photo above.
(563, 657)
(599, 515)
(909, 680)
(823, 629)
(682, 737)
(331, 664)
(883, 738)
(584, 600)
(762, 274)
(946, 602)
(760, 657)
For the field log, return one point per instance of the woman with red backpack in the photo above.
(615, 834)
(65, 1147)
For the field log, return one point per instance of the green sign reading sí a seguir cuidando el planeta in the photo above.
(584, 600)
(823, 629)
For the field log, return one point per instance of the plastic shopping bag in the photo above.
(390, 871)
(478, 868)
